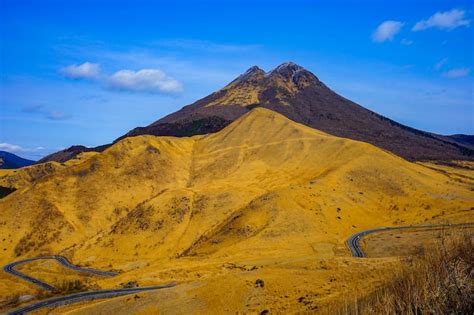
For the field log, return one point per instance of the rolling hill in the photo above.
(70, 153)
(263, 197)
(263, 175)
(28, 175)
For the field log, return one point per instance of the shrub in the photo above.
(440, 281)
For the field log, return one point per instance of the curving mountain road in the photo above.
(72, 298)
(84, 296)
(10, 268)
(356, 250)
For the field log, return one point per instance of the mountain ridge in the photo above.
(299, 95)
(70, 153)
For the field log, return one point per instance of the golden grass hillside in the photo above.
(264, 191)
(439, 281)
(25, 176)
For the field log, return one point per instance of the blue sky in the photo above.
(86, 72)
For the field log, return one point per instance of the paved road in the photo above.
(84, 296)
(356, 250)
(10, 268)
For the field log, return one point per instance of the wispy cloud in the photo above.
(440, 64)
(204, 45)
(14, 148)
(406, 42)
(36, 108)
(145, 80)
(87, 70)
(57, 115)
(447, 20)
(457, 73)
(45, 112)
(386, 31)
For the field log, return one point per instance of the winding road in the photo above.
(10, 268)
(353, 243)
(84, 296)
(72, 298)
(356, 250)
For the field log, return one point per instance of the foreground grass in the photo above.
(440, 281)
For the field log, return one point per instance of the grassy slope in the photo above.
(438, 281)
(264, 192)
(25, 176)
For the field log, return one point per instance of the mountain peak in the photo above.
(252, 75)
(253, 69)
(288, 66)
(287, 71)
(299, 95)
(292, 72)
(251, 72)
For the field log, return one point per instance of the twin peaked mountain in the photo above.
(299, 95)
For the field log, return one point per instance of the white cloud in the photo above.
(406, 42)
(86, 70)
(13, 148)
(10, 147)
(145, 80)
(440, 64)
(56, 115)
(443, 20)
(386, 31)
(457, 73)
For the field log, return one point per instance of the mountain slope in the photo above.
(299, 95)
(258, 184)
(10, 160)
(26, 176)
(264, 198)
(466, 140)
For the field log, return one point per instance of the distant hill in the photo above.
(70, 153)
(467, 140)
(9, 160)
(299, 95)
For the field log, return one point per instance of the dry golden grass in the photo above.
(58, 276)
(407, 242)
(265, 198)
(441, 281)
(26, 176)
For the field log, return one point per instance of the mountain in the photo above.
(467, 140)
(70, 153)
(252, 183)
(10, 160)
(299, 95)
(264, 198)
